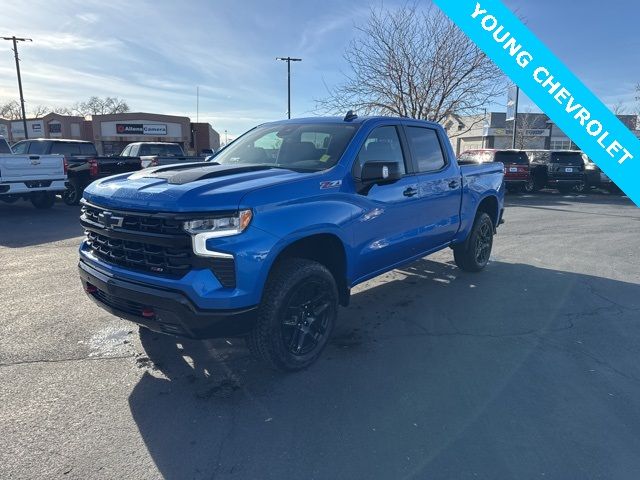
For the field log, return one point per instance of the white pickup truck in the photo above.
(37, 178)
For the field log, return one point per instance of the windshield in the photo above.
(304, 146)
(162, 149)
(519, 158)
(567, 158)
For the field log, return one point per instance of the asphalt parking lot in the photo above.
(527, 370)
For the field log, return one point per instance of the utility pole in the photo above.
(515, 118)
(15, 52)
(289, 60)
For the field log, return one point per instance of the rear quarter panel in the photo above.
(479, 182)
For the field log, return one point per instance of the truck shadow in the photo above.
(22, 225)
(426, 364)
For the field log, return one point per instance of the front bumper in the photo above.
(32, 186)
(565, 181)
(162, 310)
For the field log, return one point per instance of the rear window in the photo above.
(474, 157)
(4, 146)
(73, 149)
(567, 158)
(161, 150)
(519, 158)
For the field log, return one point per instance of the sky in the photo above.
(155, 53)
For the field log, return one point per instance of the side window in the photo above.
(425, 148)
(38, 148)
(382, 145)
(20, 148)
(126, 152)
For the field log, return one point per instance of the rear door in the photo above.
(387, 231)
(440, 187)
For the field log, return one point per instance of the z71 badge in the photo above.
(332, 184)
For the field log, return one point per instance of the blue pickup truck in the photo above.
(266, 239)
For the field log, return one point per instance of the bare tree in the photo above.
(39, 111)
(11, 110)
(100, 106)
(618, 108)
(526, 123)
(413, 63)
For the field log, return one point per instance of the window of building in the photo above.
(561, 144)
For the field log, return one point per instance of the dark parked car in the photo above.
(560, 169)
(153, 154)
(82, 162)
(516, 166)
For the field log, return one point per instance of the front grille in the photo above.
(140, 256)
(137, 222)
(151, 243)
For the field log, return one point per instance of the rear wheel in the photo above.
(529, 186)
(582, 187)
(43, 200)
(72, 194)
(296, 316)
(473, 255)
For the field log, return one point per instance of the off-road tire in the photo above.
(466, 254)
(266, 342)
(43, 200)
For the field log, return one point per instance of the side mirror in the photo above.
(379, 172)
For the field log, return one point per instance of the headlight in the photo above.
(220, 227)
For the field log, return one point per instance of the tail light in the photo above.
(93, 167)
(154, 162)
(65, 163)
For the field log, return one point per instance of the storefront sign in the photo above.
(141, 129)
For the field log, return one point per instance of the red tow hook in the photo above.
(148, 312)
(90, 288)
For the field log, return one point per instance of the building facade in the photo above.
(111, 133)
(534, 131)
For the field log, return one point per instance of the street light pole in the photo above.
(15, 52)
(289, 60)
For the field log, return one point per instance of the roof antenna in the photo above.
(350, 116)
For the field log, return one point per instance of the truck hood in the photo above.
(188, 187)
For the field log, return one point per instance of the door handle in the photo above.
(410, 192)
(453, 184)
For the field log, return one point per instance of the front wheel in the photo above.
(43, 200)
(296, 316)
(473, 255)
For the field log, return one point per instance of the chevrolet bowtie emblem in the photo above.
(109, 220)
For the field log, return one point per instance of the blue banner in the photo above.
(557, 91)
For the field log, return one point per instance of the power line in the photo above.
(289, 60)
(15, 41)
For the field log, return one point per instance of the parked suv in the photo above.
(516, 166)
(560, 169)
(82, 163)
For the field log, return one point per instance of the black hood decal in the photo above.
(185, 173)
